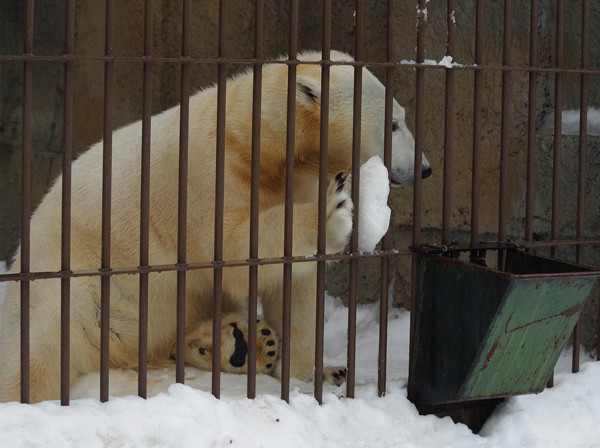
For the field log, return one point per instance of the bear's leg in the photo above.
(303, 338)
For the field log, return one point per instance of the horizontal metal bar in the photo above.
(194, 266)
(253, 61)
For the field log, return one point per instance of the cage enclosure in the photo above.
(481, 334)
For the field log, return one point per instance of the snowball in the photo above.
(374, 213)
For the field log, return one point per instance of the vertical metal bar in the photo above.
(109, 77)
(184, 121)
(254, 195)
(583, 106)
(219, 199)
(419, 145)
(505, 127)
(558, 101)
(26, 168)
(145, 201)
(65, 263)
(531, 122)
(387, 160)
(289, 201)
(356, 135)
(477, 123)
(556, 169)
(322, 234)
(448, 126)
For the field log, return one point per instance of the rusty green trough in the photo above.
(479, 334)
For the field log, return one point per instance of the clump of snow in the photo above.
(374, 213)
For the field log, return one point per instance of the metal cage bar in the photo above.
(254, 195)
(290, 147)
(148, 72)
(109, 84)
(67, 153)
(182, 195)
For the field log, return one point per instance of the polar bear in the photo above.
(86, 222)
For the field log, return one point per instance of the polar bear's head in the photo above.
(372, 115)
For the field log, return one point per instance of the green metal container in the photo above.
(481, 334)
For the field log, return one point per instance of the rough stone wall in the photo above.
(89, 84)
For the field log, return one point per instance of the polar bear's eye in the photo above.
(394, 126)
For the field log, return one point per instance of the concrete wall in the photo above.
(48, 90)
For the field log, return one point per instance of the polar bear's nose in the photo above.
(425, 172)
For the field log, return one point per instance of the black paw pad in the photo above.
(202, 351)
(271, 354)
(270, 343)
(238, 359)
(341, 204)
(265, 332)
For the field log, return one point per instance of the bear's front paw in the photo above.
(335, 375)
(339, 213)
(234, 345)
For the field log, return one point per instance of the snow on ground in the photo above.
(187, 416)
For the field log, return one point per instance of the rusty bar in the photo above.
(219, 199)
(356, 135)
(558, 101)
(109, 81)
(65, 263)
(557, 147)
(505, 127)
(289, 202)
(251, 61)
(42, 275)
(386, 242)
(26, 170)
(477, 123)
(583, 106)
(254, 196)
(145, 202)
(419, 145)
(323, 182)
(184, 121)
(448, 126)
(531, 122)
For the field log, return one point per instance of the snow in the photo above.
(570, 122)
(374, 213)
(179, 415)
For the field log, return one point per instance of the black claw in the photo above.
(270, 343)
(268, 366)
(343, 373)
(336, 376)
(341, 204)
(271, 354)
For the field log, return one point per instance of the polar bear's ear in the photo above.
(308, 90)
